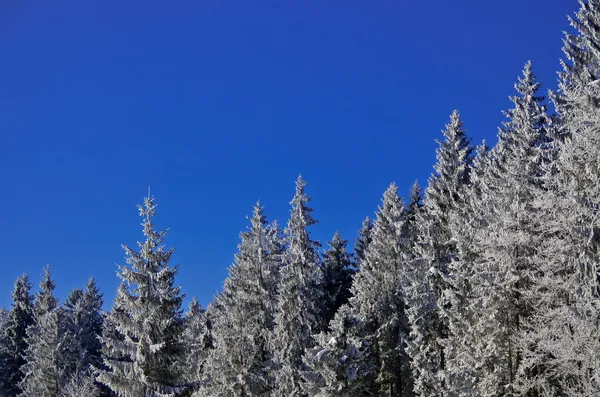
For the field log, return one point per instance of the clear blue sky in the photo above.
(218, 103)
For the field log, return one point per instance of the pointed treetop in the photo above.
(416, 194)
(46, 302)
(194, 307)
(258, 219)
(22, 291)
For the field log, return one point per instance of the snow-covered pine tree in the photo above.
(81, 327)
(244, 319)
(143, 351)
(363, 240)
(337, 277)
(562, 354)
(434, 250)
(299, 306)
(192, 367)
(378, 300)
(14, 338)
(510, 238)
(42, 370)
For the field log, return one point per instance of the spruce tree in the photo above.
(82, 326)
(142, 335)
(239, 364)
(14, 345)
(434, 250)
(192, 367)
(378, 300)
(337, 277)
(298, 315)
(42, 370)
(363, 240)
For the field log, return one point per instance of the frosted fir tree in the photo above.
(192, 366)
(378, 300)
(80, 386)
(81, 328)
(42, 370)
(244, 316)
(298, 316)
(363, 240)
(562, 351)
(143, 333)
(510, 238)
(434, 249)
(342, 362)
(14, 337)
(337, 277)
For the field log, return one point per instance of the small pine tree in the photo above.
(41, 372)
(143, 333)
(14, 338)
(337, 277)
(244, 316)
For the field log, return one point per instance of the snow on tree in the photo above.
(378, 299)
(14, 337)
(337, 277)
(81, 386)
(341, 361)
(143, 333)
(363, 240)
(244, 316)
(562, 350)
(81, 328)
(298, 316)
(434, 249)
(42, 372)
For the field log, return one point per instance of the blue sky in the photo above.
(218, 103)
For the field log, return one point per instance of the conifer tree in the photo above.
(337, 277)
(42, 372)
(143, 351)
(510, 237)
(378, 300)
(244, 319)
(14, 343)
(434, 250)
(195, 345)
(82, 326)
(298, 316)
(363, 240)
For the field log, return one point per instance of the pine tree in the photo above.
(434, 250)
(337, 277)
(298, 316)
(82, 326)
(510, 237)
(42, 372)
(195, 345)
(378, 300)
(14, 337)
(143, 350)
(561, 351)
(363, 240)
(245, 316)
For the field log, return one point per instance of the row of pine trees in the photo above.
(487, 284)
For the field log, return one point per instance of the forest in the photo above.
(486, 282)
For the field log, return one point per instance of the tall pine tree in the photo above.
(143, 350)
(299, 307)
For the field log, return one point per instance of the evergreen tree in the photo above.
(143, 350)
(510, 238)
(298, 316)
(83, 319)
(363, 240)
(195, 344)
(14, 337)
(245, 316)
(42, 372)
(434, 250)
(337, 277)
(378, 300)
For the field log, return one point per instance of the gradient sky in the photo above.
(218, 103)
